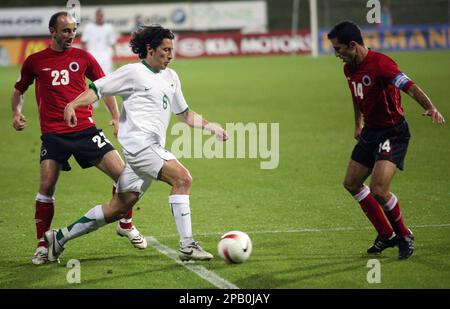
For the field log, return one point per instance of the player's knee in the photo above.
(379, 193)
(183, 180)
(47, 187)
(351, 187)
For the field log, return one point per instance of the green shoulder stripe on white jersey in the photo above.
(93, 87)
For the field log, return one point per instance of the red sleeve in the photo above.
(392, 74)
(93, 70)
(26, 76)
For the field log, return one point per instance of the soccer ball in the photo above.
(234, 247)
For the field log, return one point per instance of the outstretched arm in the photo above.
(19, 120)
(84, 99)
(194, 120)
(111, 104)
(420, 97)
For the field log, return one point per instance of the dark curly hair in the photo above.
(149, 35)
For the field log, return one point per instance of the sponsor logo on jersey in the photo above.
(366, 80)
(74, 66)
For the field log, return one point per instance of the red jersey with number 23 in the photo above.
(375, 85)
(60, 78)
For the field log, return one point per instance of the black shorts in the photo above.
(86, 146)
(388, 144)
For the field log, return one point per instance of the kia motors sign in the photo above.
(229, 44)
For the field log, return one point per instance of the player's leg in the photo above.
(390, 155)
(113, 165)
(95, 218)
(383, 173)
(49, 172)
(176, 175)
(94, 149)
(354, 183)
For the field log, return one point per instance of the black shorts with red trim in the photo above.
(86, 146)
(388, 144)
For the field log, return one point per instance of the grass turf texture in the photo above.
(310, 100)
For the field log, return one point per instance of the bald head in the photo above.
(63, 28)
(60, 18)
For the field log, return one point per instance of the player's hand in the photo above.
(70, 116)
(436, 117)
(221, 134)
(115, 124)
(19, 122)
(357, 133)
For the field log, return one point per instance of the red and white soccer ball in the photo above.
(234, 247)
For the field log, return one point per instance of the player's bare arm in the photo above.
(19, 120)
(194, 120)
(420, 97)
(87, 97)
(358, 120)
(111, 104)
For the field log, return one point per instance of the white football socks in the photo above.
(91, 221)
(179, 204)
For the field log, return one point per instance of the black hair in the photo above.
(149, 35)
(345, 32)
(54, 19)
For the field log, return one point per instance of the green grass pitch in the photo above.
(307, 231)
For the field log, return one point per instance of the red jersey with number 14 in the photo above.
(375, 85)
(60, 78)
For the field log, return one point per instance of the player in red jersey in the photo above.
(382, 132)
(60, 72)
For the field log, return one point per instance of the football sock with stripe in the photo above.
(374, 212)
(395, 216)
(43, 216)
(91, 221)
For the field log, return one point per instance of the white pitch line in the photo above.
(200, 271)
(221, 283)
(310, 230)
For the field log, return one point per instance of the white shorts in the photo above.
(142, 168)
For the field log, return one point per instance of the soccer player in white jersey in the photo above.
(99, 39)
(150, 92)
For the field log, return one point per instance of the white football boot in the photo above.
(53, 246)
(194, 252)
(135, 237)
(40, 256)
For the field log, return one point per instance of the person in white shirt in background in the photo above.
(151, 92)
(100, 39)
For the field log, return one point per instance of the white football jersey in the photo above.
(149, 98)
(99, 40)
